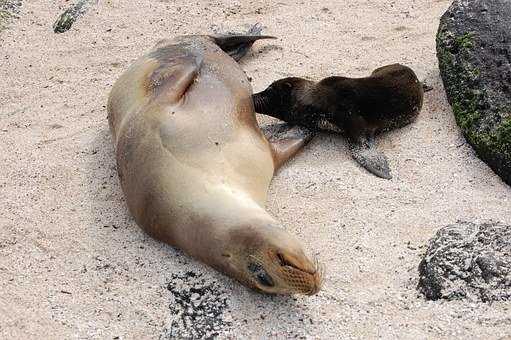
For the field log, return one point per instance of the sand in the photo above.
(73, 263)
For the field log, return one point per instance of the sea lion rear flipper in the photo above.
(364, 151)
(237, 45)
(286, 141)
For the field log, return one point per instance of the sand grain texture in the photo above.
(73, 264)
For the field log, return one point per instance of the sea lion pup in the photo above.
(390, 97)
(195, 167)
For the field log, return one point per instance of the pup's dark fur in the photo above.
(390, 97)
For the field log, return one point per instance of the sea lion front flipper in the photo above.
(286, 141)
(364, 151)
(237, 45)
(174, 78)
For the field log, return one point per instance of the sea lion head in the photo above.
(279, 99)
(273, 261)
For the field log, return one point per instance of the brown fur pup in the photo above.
(359, 108)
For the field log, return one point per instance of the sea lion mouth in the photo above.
(304, 277)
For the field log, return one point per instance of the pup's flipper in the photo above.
(364, 151)
(237, 45)
(286, 141)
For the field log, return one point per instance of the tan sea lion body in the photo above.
(195, 167)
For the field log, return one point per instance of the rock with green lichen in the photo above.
(8, 9)
(474, 54)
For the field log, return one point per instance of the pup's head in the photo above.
(281, 96)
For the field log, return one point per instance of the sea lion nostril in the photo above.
(282, 260)
(261, 274)
(299, 264)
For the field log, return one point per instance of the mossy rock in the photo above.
(474, 54)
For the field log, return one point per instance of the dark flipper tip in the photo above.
(372, 160)
(256, 29)
(237, 45)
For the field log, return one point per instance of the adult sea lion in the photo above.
(195, 167)
(390, 97)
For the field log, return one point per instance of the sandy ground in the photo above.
(73, 264)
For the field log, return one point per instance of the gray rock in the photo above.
(8, 9)
(198, 308)
(474, 54)
(468, 261)
(67, 19)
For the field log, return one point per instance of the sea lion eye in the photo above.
(261, 275)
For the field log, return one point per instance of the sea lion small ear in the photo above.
(288, 85)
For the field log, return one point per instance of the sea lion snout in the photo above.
(284, 273)
(302, 274)
(274, 262)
